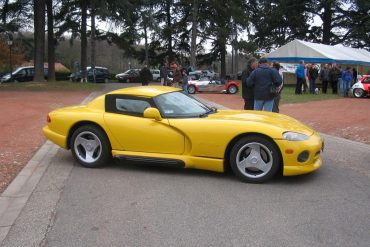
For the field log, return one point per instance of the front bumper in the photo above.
(290, 151)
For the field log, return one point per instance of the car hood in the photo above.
(284, 122)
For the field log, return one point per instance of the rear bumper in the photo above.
(58, 139)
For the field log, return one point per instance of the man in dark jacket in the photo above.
(324, 76)
(262, 80)
(163, 73)
(334, 75)
(248, 95)
(314, 73)
(145, 76)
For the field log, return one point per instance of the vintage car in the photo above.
(166, 126)
(362, 87)
(205, 84)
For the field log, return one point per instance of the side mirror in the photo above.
(152, 113)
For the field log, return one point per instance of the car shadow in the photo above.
(158, 169)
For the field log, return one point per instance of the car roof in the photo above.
(148, 91)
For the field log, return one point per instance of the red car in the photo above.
(207, 85)
(362, 87)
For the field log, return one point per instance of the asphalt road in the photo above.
(129, 205)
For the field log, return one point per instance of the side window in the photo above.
(127, 105)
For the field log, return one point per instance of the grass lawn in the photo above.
(288, 95)
(50, 86)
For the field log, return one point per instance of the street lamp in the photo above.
(10, 44)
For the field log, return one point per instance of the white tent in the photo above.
(318, 53)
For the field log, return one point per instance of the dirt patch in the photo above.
(347, 118)
(23, 116)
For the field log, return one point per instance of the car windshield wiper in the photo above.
(212, 110)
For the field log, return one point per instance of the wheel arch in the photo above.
(83, 123)
(227, 167)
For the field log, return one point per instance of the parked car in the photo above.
(362, 87)
(156, 74)
(130, 124)
(210, 85)
(101, 75)
(22, 74)
(131, 75)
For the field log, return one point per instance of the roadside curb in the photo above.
(15, 197)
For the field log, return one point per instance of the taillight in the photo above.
(48, 119)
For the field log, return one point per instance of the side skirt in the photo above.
(155, 161)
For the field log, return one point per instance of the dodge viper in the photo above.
(163, 125)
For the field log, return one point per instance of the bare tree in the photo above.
(194, 27)
(51, 42)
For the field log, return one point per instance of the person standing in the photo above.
(184, 81)
(263, 79)
(300, 77)
(248, 94)
(324, 77)
(145, 76)
(177, 76)
(163, 73)
(347, 78)
(313, 72)
(355, 73)
(334, 74)
(275, 108)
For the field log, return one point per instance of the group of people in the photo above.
(180, 76)
(341, 80)
(262, 84)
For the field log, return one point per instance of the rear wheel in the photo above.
(254, 159)
(358, 92)
(90, 146)
(232, 89)
(191, 89)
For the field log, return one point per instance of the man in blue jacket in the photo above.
(300, 77)
(262, 80)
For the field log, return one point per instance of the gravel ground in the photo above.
(23, 116)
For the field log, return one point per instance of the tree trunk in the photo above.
(93, 36)
(146, 45)
(93, 46)
(327, 21)
(194, 26)
(169, 27)
(223, 60)
(83, 40)
(39, 36)
(51, 43)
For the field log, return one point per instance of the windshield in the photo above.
(177, 104)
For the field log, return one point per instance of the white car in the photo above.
(156, 74)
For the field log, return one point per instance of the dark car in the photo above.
(131, 75)
(22, 74)
(101, 75)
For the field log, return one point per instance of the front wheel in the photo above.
(191, 89)
(254, 159)
(90, 146)
(232, 89)
(358, 93)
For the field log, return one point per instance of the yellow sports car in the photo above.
(164, 125)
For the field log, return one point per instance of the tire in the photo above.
(191, 89)
(127, 80)
(254, 159)
(90, 146)
(232, 89)
(358, 93)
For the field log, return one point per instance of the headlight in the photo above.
(293, 136)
